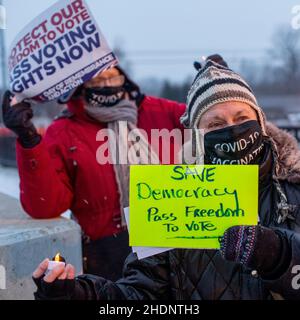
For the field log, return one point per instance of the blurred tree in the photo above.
(280, 72)
(176, 92)
(285, 59)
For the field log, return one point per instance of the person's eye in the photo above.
(242, 118)
(214, 125)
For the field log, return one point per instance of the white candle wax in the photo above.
(53, 264)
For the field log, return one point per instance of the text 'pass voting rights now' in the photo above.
(57, 52)
(190, 206)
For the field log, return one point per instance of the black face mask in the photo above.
(239, 144)
(105, 97)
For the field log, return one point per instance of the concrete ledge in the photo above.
(25, 242)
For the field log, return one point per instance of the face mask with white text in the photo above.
(238, 144)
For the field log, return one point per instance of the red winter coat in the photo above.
(62, 173)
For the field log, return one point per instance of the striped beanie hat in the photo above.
(214, 84)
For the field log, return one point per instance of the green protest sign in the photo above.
(189, 206)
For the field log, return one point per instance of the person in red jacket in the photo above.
(60, 171)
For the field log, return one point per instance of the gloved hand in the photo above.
(56, 290)
(258, 248)
(18, 119)
(214, 57)
(58, 284)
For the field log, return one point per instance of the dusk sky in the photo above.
(162, 38)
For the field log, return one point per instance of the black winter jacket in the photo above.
(204, 274)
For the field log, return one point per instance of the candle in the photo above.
(56, 261)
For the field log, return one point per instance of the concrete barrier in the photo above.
(25, 242)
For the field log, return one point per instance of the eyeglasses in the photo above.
(109, 82)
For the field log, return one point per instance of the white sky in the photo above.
(164, 37)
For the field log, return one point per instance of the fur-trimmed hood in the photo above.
(288, 152)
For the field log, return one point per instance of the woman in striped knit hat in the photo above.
(220, 98)
(255, 262)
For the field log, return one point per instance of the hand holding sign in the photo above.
(190, 206)
(256, 247)
(18, 119)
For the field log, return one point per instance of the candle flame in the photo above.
(57, 257)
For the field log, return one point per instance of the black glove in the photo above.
(258, 248)
(214, 57)
(18, 119)
(56, 290)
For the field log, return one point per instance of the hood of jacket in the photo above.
(288, 154)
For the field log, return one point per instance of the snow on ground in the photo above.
(9, 184)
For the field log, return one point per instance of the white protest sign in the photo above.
(57, 52)
(144, 252)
